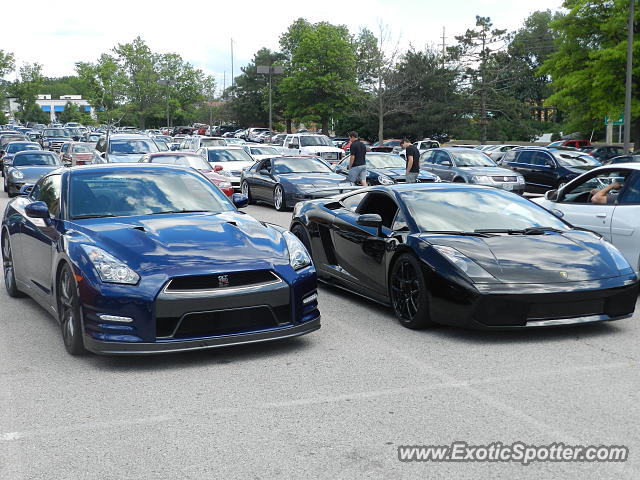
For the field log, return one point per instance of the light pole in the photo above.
(270, 70)
(627, 90)
(168, 83)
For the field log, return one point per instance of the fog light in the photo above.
(309, 299)
(114, 318)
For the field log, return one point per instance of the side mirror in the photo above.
(37, 210)
(264, 171)
(551, 195)
(240, 200)
(76, 138)
(447, 163)
(371, 220)
(550, 165)
(218, 168)
(26, 189)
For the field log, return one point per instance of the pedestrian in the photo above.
(412, 157)
(357, 162)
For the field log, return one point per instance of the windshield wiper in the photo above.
(525, 231)
(80, 217)
(180, 211)
(476, 233)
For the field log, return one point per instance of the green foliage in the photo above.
(26, 92)
(588, 68)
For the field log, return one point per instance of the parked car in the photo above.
(618, 221)
(260, 152)
(391, 145)
(192, 144)
(284, 181)
(146, 258)
(254, 132)
(498, 151)
(7, 137)
(231, 160)
(125, 147)
(10, 149)
(625, 159)
(192, 160)
(53, 138)
(426, 251)
(76, 153)
(27, 168)
(91, 137)
(545, 169)
(311, 144)
(570, 143)
(385, 169)
(426, 144)
(603, 153)
(234, 141)
(468, 165)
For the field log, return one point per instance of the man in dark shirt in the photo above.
(412, 156)
(357, 162)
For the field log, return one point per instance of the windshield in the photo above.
(212, 142)
(19, 147)
(82, 149)
(56, 132)
(392, 143)
(95, 137)
(234, 141)
(316, 140)
(142, 192)
(457, 210)
(264, 151)
(568, 160)
(132, 147)
(235, 155)
(385, 161)
(299, 165)
(43, 158)
(472, 159)
(193, 161)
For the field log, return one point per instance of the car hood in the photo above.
(233, 166)
(320, 149)
(488, 171)
(187, 243)
(131, 158)
(34, 173)
(551, 258)
(317, 180)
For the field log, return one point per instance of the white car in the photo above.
(228, 161)
(618, 221)
(260, 152)
(312, 144)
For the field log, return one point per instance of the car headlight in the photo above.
(520, 178)
(17, 174)
(298, 255)
(464, 263)
(46, 143)
(384, 180)
(109, 268)
(482, 179)
(618, 258)
(437, 179)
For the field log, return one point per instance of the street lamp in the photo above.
(270, 70)
(167, 83)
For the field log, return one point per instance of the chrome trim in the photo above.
(223, 290)
(574, 320)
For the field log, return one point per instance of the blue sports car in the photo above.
(153, 258)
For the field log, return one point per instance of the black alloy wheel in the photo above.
(408, 293)
(278, 199)
(69, 312)
(8, 269)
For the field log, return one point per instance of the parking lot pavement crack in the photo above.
(604, 350)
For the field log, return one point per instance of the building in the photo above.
(52, 106)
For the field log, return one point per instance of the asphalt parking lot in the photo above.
(333, 404)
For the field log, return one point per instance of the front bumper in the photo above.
(115, 348)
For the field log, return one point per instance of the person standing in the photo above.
(412, 157)
(357, 161)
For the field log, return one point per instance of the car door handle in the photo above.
(601, 215)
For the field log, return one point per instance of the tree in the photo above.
(26, 91)
(105, 87)
(320, 70)
(588, 68)
(7, 64)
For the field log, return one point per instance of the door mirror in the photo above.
(551, 195)
(550, 164)
(240, 200)
(264, 171)
(446, 163)
(37, 210)
(218, 168)
(371, 220)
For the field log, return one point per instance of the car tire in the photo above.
(8, 269)
(279, 201)
(4, 185)
(10, 193)
(301, 233)
(69, 313)
(459, 180)
(408, 292)
(244, 188)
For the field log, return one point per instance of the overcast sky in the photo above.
(57, 34)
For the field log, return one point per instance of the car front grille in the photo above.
(501, 179)
(56, 145)
(222, 281)
(329, 155)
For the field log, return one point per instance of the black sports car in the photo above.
(284, 181)
(386, 169)
(465, 255)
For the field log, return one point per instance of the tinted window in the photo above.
(19, 147)
(43, 158)
(310, 141)
(352, 202)
(581, 192)
(235, 155)
(283, 166)
(56, 132)
(193, 161)
(142, 192)
(473, 159)
(427, 157)
(131, 147)
(49, 192)
(526, 157)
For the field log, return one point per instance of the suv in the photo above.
(545, 169)
(192, 144)
(53, 138)
(125, 147)
(604, 153)
(312, 144)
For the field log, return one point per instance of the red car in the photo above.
(76, 153)
(570, 143)
(193, 160)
